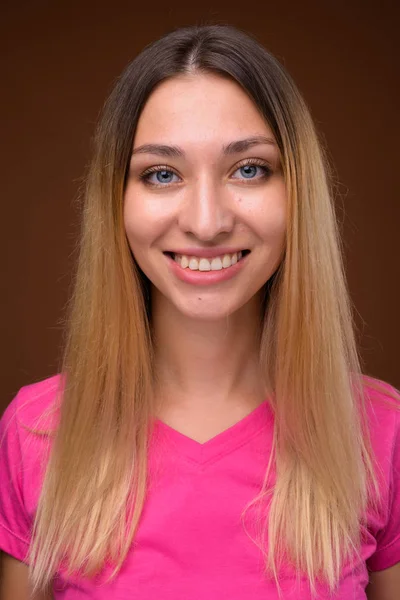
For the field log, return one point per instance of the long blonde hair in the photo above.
(94, 487)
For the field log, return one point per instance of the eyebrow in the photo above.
(231, 148)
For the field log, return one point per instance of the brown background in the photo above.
(58, 62)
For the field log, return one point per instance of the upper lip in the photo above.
(207, 252)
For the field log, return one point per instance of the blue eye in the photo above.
(162, 176)
(248, 171)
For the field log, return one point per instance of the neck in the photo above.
(203, 365)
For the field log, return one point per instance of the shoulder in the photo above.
(25, 438)
(383, 409)
(382, 405)
(378, 390)
(27, 429)
(35, 405)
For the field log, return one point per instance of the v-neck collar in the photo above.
(221, 444)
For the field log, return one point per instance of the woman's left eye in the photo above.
(249, 170)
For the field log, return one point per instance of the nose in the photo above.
(206, 211)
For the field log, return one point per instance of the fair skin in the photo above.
(207, 336)
(14, 580)
(385, 584)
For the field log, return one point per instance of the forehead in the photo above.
(199, 107)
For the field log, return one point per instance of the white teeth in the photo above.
(216, 264)
(193, 264)
(226, 261)
(204, 265)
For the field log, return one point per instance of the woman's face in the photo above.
(200, 189)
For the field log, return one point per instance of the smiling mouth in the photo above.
(197, 263)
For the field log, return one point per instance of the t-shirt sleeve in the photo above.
(14, 521)
(387, 552)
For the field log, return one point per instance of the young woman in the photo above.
(210, 434)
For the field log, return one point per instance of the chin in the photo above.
(202, 308)
(207, 316)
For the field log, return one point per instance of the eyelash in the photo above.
(256, 162)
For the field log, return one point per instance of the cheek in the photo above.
(133, 232)
(273, 224)
(141, 221)
(267, 215)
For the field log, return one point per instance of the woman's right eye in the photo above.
(162, 176)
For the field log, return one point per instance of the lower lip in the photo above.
(205, 277)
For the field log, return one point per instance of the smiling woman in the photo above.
(210, 433)
(223, 192)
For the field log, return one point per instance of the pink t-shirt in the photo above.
(191, 543)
